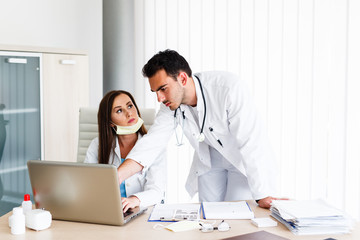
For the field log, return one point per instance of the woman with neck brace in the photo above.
(120, 126)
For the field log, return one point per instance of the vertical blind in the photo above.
(301, 60)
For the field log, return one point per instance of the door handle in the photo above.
(68, 62)
(17, 60)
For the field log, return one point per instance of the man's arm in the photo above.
(128, 168)
(151, 145)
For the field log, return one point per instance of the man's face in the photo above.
(168, 91)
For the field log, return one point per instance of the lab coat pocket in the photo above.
(217, 131)
(220, 135)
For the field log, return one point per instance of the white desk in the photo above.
(139, 228)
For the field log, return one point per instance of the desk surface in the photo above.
(139, 228)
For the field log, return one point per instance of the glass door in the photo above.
(20, 125)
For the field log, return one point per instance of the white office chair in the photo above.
(88, 127)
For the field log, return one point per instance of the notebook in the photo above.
(79, 192)
(227, 210)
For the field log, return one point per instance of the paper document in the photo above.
(227, 210)
(175, 212)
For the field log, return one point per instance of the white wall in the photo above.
(60, 24)
(301, 59)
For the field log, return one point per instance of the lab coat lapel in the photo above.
(190, 127)
(204, 154)
(192, 132)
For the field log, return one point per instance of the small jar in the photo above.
(17, 221)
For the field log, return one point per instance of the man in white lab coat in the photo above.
(232, 159)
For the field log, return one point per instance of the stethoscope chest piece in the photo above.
(201, 137)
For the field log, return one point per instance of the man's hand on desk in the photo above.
(266, 202)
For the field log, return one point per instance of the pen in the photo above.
(162, 219)
(214, 135)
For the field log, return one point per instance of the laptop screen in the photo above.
(77, 191)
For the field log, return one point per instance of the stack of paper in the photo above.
(227, 210)
(310, 217)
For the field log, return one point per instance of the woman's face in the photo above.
(123, 112)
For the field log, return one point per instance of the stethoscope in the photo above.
(201, 136)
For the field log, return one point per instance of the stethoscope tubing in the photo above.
(203, 96)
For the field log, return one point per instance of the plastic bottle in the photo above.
(18, 221)
(10, 220)
(26, 204)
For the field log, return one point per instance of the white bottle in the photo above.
(10, 221)
(26, 204)
(18, 221)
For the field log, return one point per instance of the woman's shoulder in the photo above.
(92, 151)
(94, 144)
(95, 141)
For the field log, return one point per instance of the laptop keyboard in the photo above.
(127, 213)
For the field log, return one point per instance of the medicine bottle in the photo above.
(26, 204)
(18, 221)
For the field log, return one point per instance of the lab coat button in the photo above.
(128, 184)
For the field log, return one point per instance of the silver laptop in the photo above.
(79, 192)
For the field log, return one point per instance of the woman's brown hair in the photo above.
(107, 135)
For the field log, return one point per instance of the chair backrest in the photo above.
(88, 127)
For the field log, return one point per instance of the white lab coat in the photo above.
(231, 113)
(148, 186)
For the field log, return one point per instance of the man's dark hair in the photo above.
(169, 60)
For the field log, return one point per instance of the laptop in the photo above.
(79, 192)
